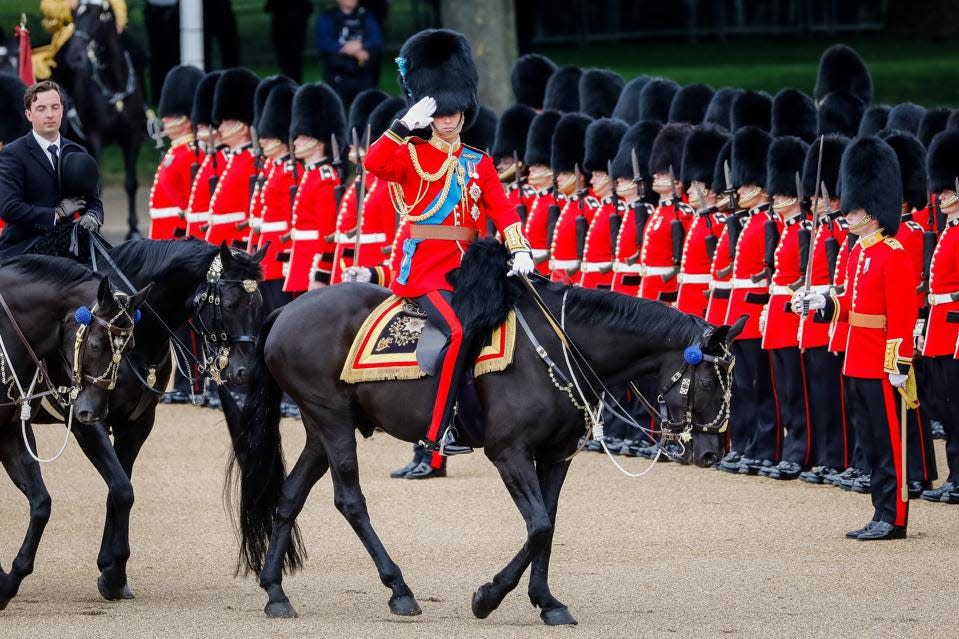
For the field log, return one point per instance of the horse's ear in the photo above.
(105, 293)
(140, 296)
(736, 328)
(259, 255)
(714, 338)
(225, 255)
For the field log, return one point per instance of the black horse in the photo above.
(531, 427)
(106, 97)
(45, 296)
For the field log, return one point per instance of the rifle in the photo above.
(582, 224)
(195, 166)
(676, 231)
(805, 234)
(213, 151)
(293, 189)
(338, 165)
(615, 219)
(706, 211)
(552, 214)
(518, 180)
(733, 227)
(360, 204)
(640, 210)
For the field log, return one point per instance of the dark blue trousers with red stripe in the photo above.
(754, 424)
(789, 374)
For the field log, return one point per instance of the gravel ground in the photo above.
(684, 552)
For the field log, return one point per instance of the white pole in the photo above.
(191, 32)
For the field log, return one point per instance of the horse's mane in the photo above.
(159, 259)
(56, 271)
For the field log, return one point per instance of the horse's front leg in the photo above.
(131, 149)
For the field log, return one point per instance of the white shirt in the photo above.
(45, 145)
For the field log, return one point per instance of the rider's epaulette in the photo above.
(480, 152)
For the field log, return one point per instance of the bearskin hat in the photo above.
(318, 113)
(602, 142)
(719, 171)
(539, 139)
(13, 124)
(933, 123)
(511, 131)
(794, 113)
(721, 106)
(942, 162)
(234, 95)
(832, 148)
(562, 90)
(361, 109)
(277, 113)
(784, 163)
(752, 108)
(262, 92)
(905, 117)
(78, 172)
(873, 120)
(656, 98)
(179, 87)
(871, 181)
(202, 112)
(529, 76)
(569, 142)
(840, 113)
(627, 107)
(668, 148)
(841, 69)
(639, 137)
(599, 91)
(690, 103)
(439, 63)
(911, 155)
(750, 147)
(383, 115)
(699, 155)
(483, 132)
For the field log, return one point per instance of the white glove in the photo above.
(811, 301)
(522, 264)
(898, 380)
(357, 274)
(420, 114)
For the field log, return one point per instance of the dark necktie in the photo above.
(52, 150)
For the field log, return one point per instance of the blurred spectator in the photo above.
(288, 27)
(351, 42)
(162, 18)
(219, 24)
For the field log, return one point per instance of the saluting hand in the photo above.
(420, 114)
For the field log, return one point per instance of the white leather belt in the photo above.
(594, 267)
(719, 285)
(169, 211)
(227, 218)
(556, 265)
(365, 238)
(940, 298)
(274, 227)
(304, 235)
(539, 254)
(201, 216)
(655, 270)
(623, 267)
(747, 282)
(694, 278)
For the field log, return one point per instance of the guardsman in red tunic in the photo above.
(568, 151)
(602, 142)
(442, 188)
(780, 335)
(721, 267)
(539, 178)
(942, 326)
(170, 193)
(880, 306)
(233, 114)
(214, 157)
(509, 148)
(317, 116)
(699, 249)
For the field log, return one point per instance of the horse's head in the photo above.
(695, 385)
(104, 334)
(226, 310)
(95, 32)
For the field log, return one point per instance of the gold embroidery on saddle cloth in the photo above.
(385, 346)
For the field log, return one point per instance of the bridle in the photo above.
(114, 98)
(120, 338)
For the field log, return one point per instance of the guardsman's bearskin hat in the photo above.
(639, 137)
(602, 142)
(277, 113)
(942, 162)
(750, 148)
(933, 123)
(721, 106)
(530, 74)
(78, 172)
(783, 163)
(511, 131)
(668, 148)
(599, 91)
(13, 124)
(562, 90)
(203, 99)
(179, 87)
(871, 181)
(911, 155)
(794, 113)
(752, 108)
(873, 120)
(539, 139)
(362, 108)
(318, 113)
(483, 131)
(656, 98)
(699, 155)
(383, 115)
(569, 142)
(905, 117)
(439, 63)
(690, 103)
(840, 112)
(841, 69)
(719, 172)
(832, 149)
(262, 92)
(627, 107)
(234, 94)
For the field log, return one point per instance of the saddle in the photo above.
(396, 341)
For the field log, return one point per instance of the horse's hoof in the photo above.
(558, 617)
(405, 606)
(114, 594)
(3, 603)
(280, 610)
(481, 608)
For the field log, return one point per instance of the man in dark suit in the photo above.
(30, 202)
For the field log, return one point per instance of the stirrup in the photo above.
(446, 446)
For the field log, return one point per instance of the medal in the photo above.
(475, 191)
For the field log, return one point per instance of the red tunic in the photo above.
(379, 228)
(626, 265)
(748, 297)
(426, 262)
(656, 255)
(170, 193)
(276, 212)
(256, 205)
(537, 227)
(694, 273)
(910, 235)
(314, 219)
(839, 330)
(598, 250)
(813, 334)
(720, 285)
(198, 207)
(230, 203)
(941, 333)
(345, 224)
(782, 325)
(564, 254)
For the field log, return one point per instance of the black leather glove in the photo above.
(69, 205)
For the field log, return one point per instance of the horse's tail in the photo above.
(255, 473)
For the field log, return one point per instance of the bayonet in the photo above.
(807, 286)
(637, 175)
(360, 195)
(730, 191)
(338, 165)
